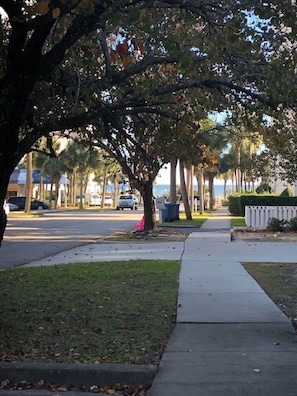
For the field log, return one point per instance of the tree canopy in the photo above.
(68, 63)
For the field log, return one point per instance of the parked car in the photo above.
(108, 201)
(92, 199)
(20, 203)
(127, 201)
(12, 207)
(77, 199)
(6, 208)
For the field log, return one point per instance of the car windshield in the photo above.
(125, 197)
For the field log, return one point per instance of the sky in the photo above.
(164, 176)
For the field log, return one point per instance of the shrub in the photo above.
(263, 188)
(275, 224)
(225, 202)
(293, 224)
(235, 205)
(287, 192)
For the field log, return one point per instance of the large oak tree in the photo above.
(67, 63)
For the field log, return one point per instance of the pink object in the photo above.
(140, 225)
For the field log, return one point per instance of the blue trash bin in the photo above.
(163, 214)
(172, 213)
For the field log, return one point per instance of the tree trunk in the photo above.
(5, 173)
(149, 206)
(81, 178)
(72, 191)
(225, 190)
(104, 187)
(211, 191)
(238, 170)
(233, 179)
(41, 188)
(8, 161)
(184, 191)
(58, 193)
(200, 188)
(115, 190)
(3, 221)
(65, 194)
(188, 180)
(173, 164)
(191, 187)
(28, 182)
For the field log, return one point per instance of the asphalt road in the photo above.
(31, 238)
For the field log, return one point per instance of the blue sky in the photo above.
(164, 176)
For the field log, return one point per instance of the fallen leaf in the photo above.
(56, 13)
(4, 383)
(41, 8)
(110, 391)
(40, 384)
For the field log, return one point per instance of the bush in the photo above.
(263, 188)
(225, 202)
(275, 224)
(287, 192)
(235, 205)
(293, 224)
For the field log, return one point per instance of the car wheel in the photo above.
(122, 208)
(135, 207)
(40, 207)
(118, 208)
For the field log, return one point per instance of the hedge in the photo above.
(237, 203)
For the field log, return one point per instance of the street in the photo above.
(31, 238)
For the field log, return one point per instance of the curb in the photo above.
(78, 374)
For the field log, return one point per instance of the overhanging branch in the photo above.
(215, 84)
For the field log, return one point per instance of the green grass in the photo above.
(237, 221)
(197, 220)
(279, 281)
(275, 277)
(116, 312)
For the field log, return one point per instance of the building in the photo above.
(41, 185)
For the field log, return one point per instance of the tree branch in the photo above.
(215, 84)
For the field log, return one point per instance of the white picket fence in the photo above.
(258, 216)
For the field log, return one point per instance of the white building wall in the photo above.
(278, 186)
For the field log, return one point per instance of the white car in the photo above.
(12, 207)
(108, 201)
(6, 208)
(127, 201)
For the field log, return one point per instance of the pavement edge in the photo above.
(78, 374)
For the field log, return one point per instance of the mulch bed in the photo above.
(264, 235)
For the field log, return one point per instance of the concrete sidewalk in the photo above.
(230, 338)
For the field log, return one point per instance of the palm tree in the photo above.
(54, 167)
(49, 161)
(214, 139)
(80, 160)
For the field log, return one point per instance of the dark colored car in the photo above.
(35, 204)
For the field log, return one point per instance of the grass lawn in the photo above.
(237, 221)
(116, 312)
(197, 220)
(279, 281)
